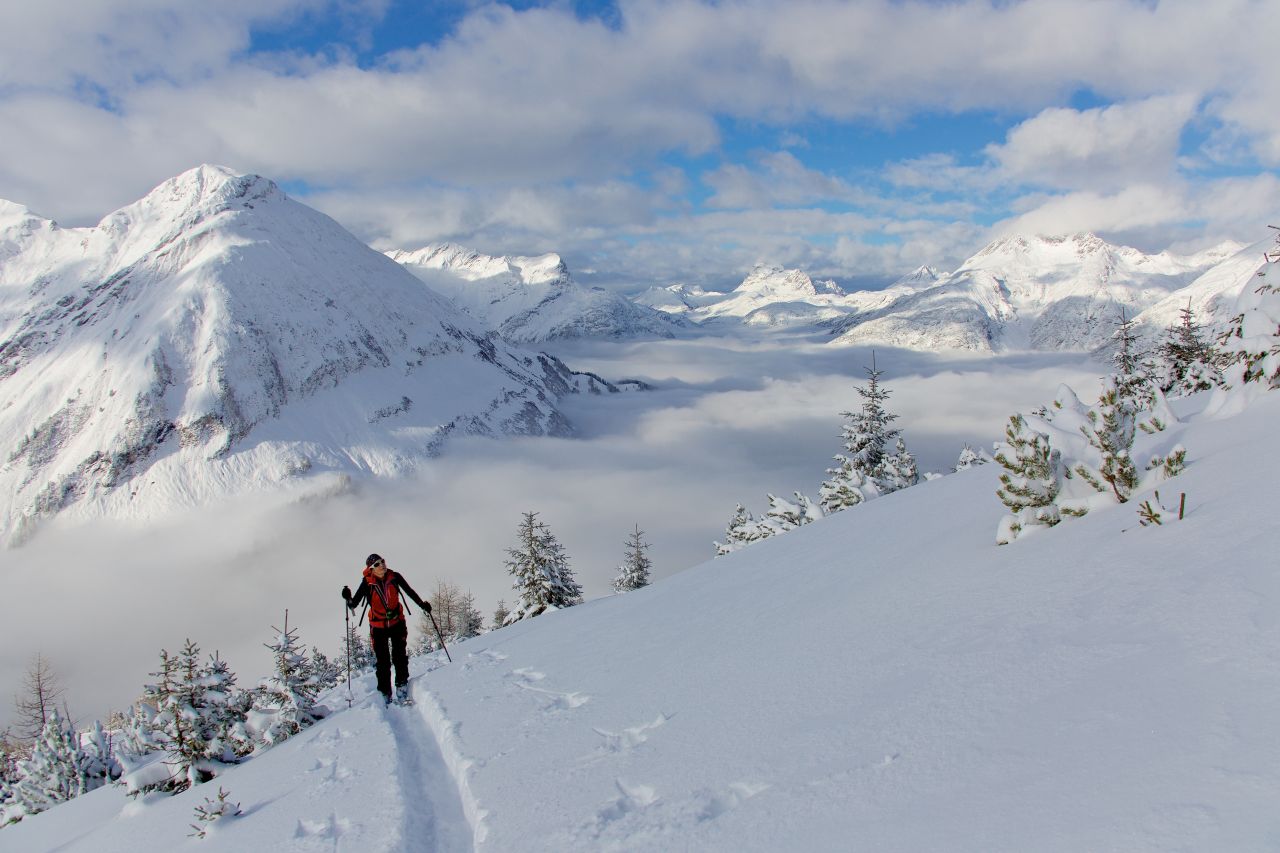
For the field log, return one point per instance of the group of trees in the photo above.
(1066, 458)
(543, 579)
(874, 462)
(190, 724)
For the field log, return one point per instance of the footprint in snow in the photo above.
(330, 769)
(526, 678)
(333, 827)
(628, 739)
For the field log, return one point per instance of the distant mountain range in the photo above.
(217, 337)
(1038, 293)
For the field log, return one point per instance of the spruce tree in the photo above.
(1031, 480)
(284, 703)
(875, 460)
(1191, 362)
(635, 568)
(971, 458)
(743, 529)
(500, 614)
(1135, 372)
(470, 619)
(540, 568)
(59, 768)
(1110, 431)
(357, 643)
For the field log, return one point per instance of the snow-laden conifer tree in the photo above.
(326, 671)
(500, 614)
(1031, 480)
(636, 565)
(1110, 431)
(541, 571)
(1191, 362)
(875, 460)
(1135, 370)
(1251, 343)
(971, 458)
(357, 643)
(59, 768)
(198, 720)
(743, 529)
(285, 703)
(784, 515)
(470, 619)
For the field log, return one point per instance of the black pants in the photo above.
(390, 646)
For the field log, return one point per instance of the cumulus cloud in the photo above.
(1098, 148)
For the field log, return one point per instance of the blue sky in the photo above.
(654, 141)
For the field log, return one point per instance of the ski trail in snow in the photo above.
(434, 819)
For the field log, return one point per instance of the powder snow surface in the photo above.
(886, 679)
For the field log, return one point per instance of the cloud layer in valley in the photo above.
(729, 422)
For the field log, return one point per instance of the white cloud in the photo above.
(1101, 148)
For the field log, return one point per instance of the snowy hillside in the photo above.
(529, 300)
(217, 337)
(1039, 293)
(885, 679)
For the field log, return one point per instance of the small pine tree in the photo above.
(1110, 431)
(284, 704)
(541, 570)
(1135, 371)
(784, 515)
(1191, 363)
(971, 458)
(1031, 480)
(325, 671)
(212, 810)
(875, 461)
(59, 768)
(470, 619)
(743, 529)
(356, 642)
(636, 565)
(500, 614)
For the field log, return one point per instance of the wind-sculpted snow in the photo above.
(530, 300)
(217, 337)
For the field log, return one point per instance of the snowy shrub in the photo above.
(1031, 480)
(1251, 343)
(210, 811)
(971, 458)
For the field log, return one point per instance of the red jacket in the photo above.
(385, 609)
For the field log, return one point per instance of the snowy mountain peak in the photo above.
(772, 281)
(528, 299)
(202, 342)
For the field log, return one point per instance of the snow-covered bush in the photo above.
(213, 810)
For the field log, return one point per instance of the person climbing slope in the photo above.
(388, 628)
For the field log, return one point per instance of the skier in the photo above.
(388, 630)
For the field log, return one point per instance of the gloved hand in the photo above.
(426, 605)
(346, 594)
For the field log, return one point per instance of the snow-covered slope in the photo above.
(530, 299)
(1041, 293)
(885, 679)
(217, 337)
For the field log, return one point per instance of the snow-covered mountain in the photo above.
(217, 337)
(1039, 293)
(885, 679)
(529, 300)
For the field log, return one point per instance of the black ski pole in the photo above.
(346, 616)
(441, 636)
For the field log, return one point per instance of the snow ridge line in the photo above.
(445, 732)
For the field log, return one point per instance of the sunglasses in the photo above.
(377, 564)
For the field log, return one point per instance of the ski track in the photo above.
(434, 818)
